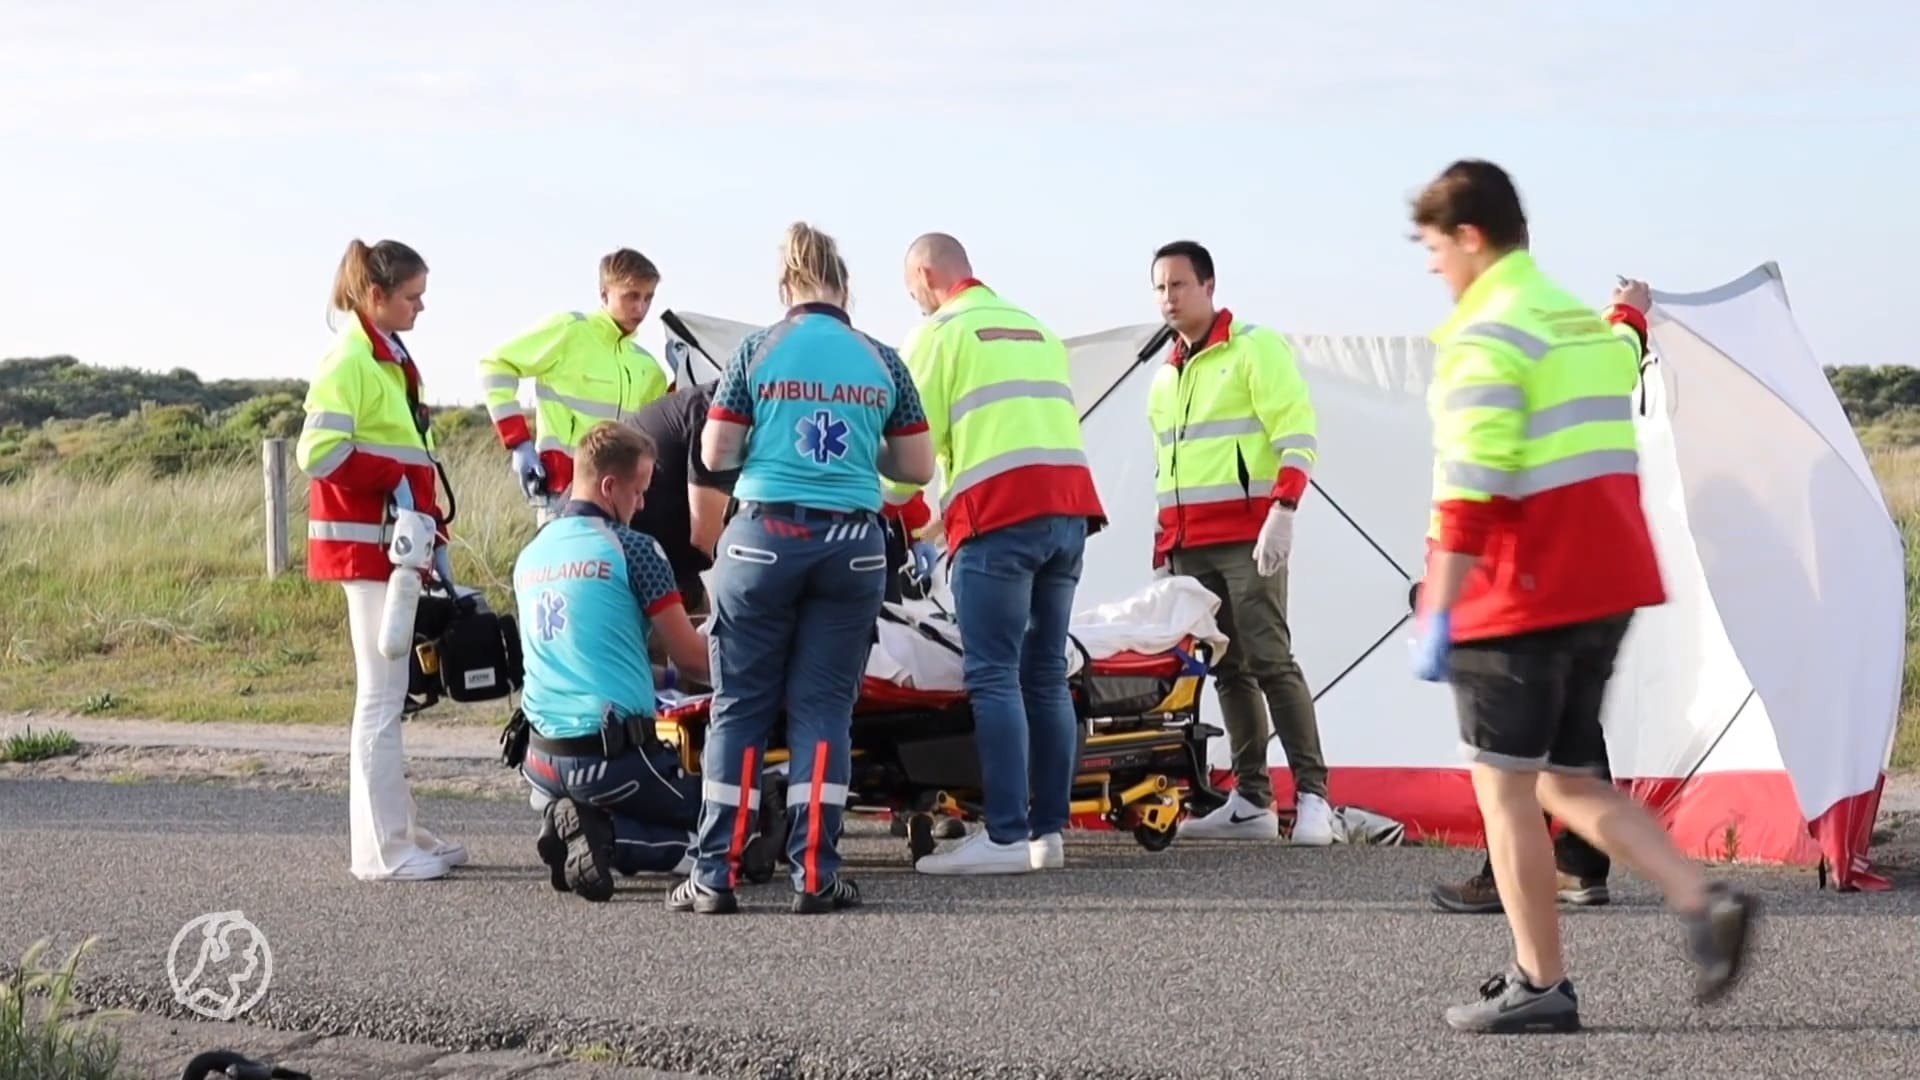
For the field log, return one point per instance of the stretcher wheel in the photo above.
(920, 841)
(1153, 839)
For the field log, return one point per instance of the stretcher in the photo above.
(1142, 745)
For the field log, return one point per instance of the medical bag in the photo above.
(463, 650)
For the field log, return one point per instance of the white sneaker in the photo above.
(449, 852)
(1312, 821)
(1046, 852)
(1237, 819)
(978, 854)
(420, 867)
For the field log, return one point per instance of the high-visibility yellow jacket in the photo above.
(584, 370)
(998, 395)
(1234, 430)
(1536, 465)
(365, 434)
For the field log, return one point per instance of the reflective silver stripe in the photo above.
(328, 421)
(1299, 459)
(329, 461)
(830, 794)
(1010, 390)
(1205, 494)
(500, 382)
(1556, 474)
(500, 412)
(552, 442)
(1485, 396)
(1295, 442)
(1532, 347)
(405, 455)
(1007, 462)
(1584, 410)
(952, 315)
(352, 532)
(1213, 429)
(597, 409)
(727, 794)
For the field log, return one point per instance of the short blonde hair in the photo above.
(611, 449)
(627, 267)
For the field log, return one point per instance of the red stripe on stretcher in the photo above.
(813, 815)
(742, 819)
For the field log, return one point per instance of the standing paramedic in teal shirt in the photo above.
(811, 412)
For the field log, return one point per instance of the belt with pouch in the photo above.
(617, 736)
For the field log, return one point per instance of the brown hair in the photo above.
(388, 264)
(610, 448)
(1477, 193)
(811, 264)
(627, 266)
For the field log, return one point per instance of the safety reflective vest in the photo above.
(998, 395)
(359, 443)
(1536, 467)
(585, 370)
(1234, 429)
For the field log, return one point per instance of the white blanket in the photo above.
(1153, 620)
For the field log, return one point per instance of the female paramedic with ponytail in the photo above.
(367, 450)
(812, 412)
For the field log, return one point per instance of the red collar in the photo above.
(381, 350)
(962, 286)
(1221, 330)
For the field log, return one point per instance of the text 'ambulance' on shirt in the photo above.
(818, 397)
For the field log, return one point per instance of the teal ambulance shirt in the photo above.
(586, 589)
(818, 396)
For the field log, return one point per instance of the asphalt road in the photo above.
(1203, 961)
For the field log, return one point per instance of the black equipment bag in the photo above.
(462, 650)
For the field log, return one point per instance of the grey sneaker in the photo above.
(1717, 940)
(1508, 1006)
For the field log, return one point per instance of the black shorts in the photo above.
(1533, 701)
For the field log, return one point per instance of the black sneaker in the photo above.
(692, 896)
(1508, 1006)
(833, 896)
(553, 851)
(1717, 940)
(588, 833)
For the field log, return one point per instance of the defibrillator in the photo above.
(462, 650)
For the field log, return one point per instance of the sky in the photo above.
(178, 181)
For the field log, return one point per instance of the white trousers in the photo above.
(387, 843)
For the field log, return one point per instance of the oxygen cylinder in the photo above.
(411, 550)
(396, 620)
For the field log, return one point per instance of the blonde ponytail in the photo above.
(387, 265)
(812, 267)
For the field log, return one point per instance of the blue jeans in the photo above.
(652, 803)
(796, 596)
(1013, 596)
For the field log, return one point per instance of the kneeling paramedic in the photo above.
(590, 591)
(812, 411)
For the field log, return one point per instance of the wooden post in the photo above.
(273, 460)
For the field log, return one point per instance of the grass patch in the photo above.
(1893, 449)
(45, 1042)
(145, 593)
(31, 745)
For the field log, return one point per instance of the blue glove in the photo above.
(403, 496)
(443, 565)
(1431, 648)
(528, 470)
(924, 556)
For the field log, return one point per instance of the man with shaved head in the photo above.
(1018, 503)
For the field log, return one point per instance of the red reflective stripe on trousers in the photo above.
(813, 815)
(742, 820)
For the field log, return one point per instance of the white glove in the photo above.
(528, 470)
(1270, 551)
